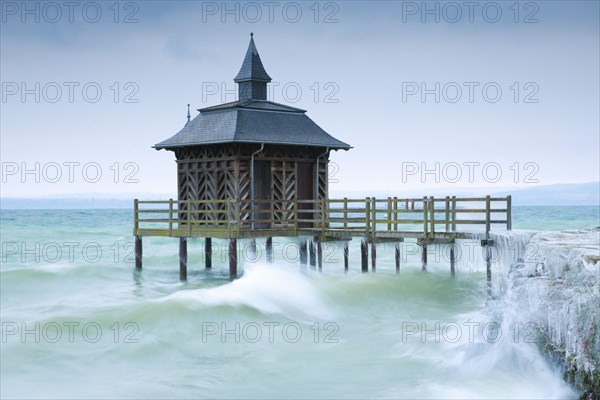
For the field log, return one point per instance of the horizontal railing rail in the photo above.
(427, 215)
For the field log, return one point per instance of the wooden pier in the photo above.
(429, 220)
(253, 168)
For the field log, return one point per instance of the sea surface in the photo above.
(78, 321)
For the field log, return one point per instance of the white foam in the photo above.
(268, 288)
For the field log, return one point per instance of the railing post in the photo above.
(487, 214)
(395, 213)
(345, 213)
(432, 213)
(170, 217)
(509, 212)
(228, 216)
(453, 213)
(189, 216)
(425, 216)
(447, 213)
(389, 212)
(368, 215)
(296, 216)
(238, 217)
(323, 213)
(374, 218)
(135, 217)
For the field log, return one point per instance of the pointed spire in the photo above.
(188, 115)
(252, 79)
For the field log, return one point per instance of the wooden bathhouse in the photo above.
(251, 150)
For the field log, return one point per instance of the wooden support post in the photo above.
(312, 256)
(395, 213)
(432, 215)
(138, 252)
(232, 258)
(269, 249)
(345, 213)
(488, 262)
(374, 217)
(208, 253)
(397, 258)
(373, 256)
(364, 255)
(320, 255)
(424, 257)
(509, 212)
(389, 214)
(302, 251)
(487, 216)
(136, 223)
(453, 213)
(447, 214)
(452, 260)
(183, 258)
(346, 256)
(367, 215)
(425, 216)
(170, 217)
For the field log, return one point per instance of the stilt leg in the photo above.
(373, 256)
(452, 261)
(488, 261)
(232, 258)
(208, 252)
(397, 258)
(269, 249)
(312, 256)
(346, 256)
(183, 258)
(253, 250)
(302, 251)
(320, 255)
(138, 252)
(364, 255)
(424, 257)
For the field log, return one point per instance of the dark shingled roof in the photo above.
(252, 121)
(252, 68)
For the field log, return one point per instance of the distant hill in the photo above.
(576, 194)
(581, 194)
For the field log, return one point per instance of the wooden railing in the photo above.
(368, 216)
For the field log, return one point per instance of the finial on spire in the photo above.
(188, 114)
(251, 34)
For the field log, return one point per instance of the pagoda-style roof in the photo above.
(252, 121)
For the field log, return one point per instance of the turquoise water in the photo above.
(79, 322)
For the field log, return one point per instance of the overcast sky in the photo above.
(479, 87)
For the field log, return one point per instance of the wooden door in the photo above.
(305, 191)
